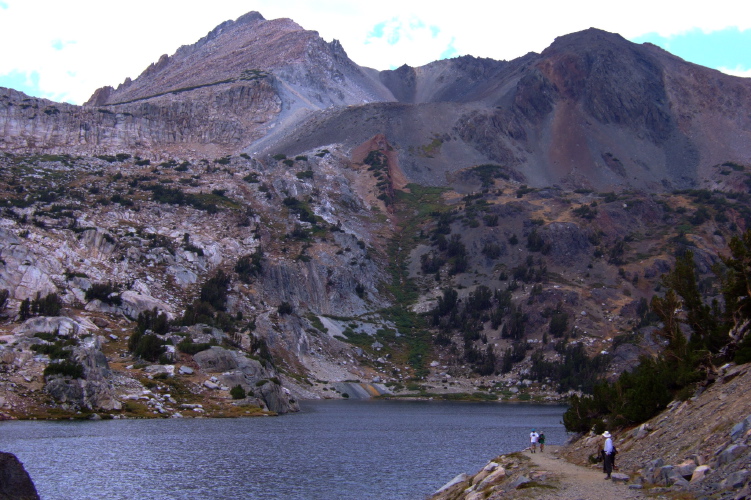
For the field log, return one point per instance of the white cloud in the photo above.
(737, 71)
(399, 40)
(77, 46)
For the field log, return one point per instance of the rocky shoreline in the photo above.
(115, 384)
(698, 448)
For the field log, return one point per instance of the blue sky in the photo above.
(65, 49)
(728, 49)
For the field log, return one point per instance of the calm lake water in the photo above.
(330, 450)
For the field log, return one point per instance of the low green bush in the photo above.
(146, 346)
(64, 368)
(105, 292)
(237, 392)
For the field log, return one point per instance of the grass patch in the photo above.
(316, 323)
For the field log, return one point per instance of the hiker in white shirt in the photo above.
(608, 454)
(533, 437)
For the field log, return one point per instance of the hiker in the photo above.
(533, 437)
(608, 454)
(600, 455)
(541, 440)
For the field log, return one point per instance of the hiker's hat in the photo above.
(606, 434)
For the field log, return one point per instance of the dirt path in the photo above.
(575, 482)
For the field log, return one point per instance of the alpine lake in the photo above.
(329, 450)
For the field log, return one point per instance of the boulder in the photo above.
(641, 432)
(216, 359)
(686, 469)
(203, 334)
(183, 277)
(249, 401)
(700, 473)
(670, 476)
(479, 477)
(739, 430)
(651, 472)
(98, 306)
(15, 482)
(60, 325)
(231, 379)
(519, 481)
(134, 303)
(83, 393)
(731, 453)
(169, 370)
(461, 478)
(94, 362)
(186, 370)
(276, 399)
(680, 483)
(735, 480)
(496, 476)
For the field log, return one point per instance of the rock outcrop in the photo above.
(15, 482)
(495, 477)
(214, 121)
(250, 374)
(93, 390)
(61, 325)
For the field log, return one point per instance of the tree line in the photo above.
(699, 334)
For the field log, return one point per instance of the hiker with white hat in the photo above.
(608, 453)
(533, 437)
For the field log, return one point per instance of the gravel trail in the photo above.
(575, 482)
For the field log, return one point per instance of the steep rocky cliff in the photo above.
(214, 121)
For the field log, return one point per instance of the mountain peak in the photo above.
(250, 17)
(590, 38)
(249, 43)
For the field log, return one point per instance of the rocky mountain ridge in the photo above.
(591, 111)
